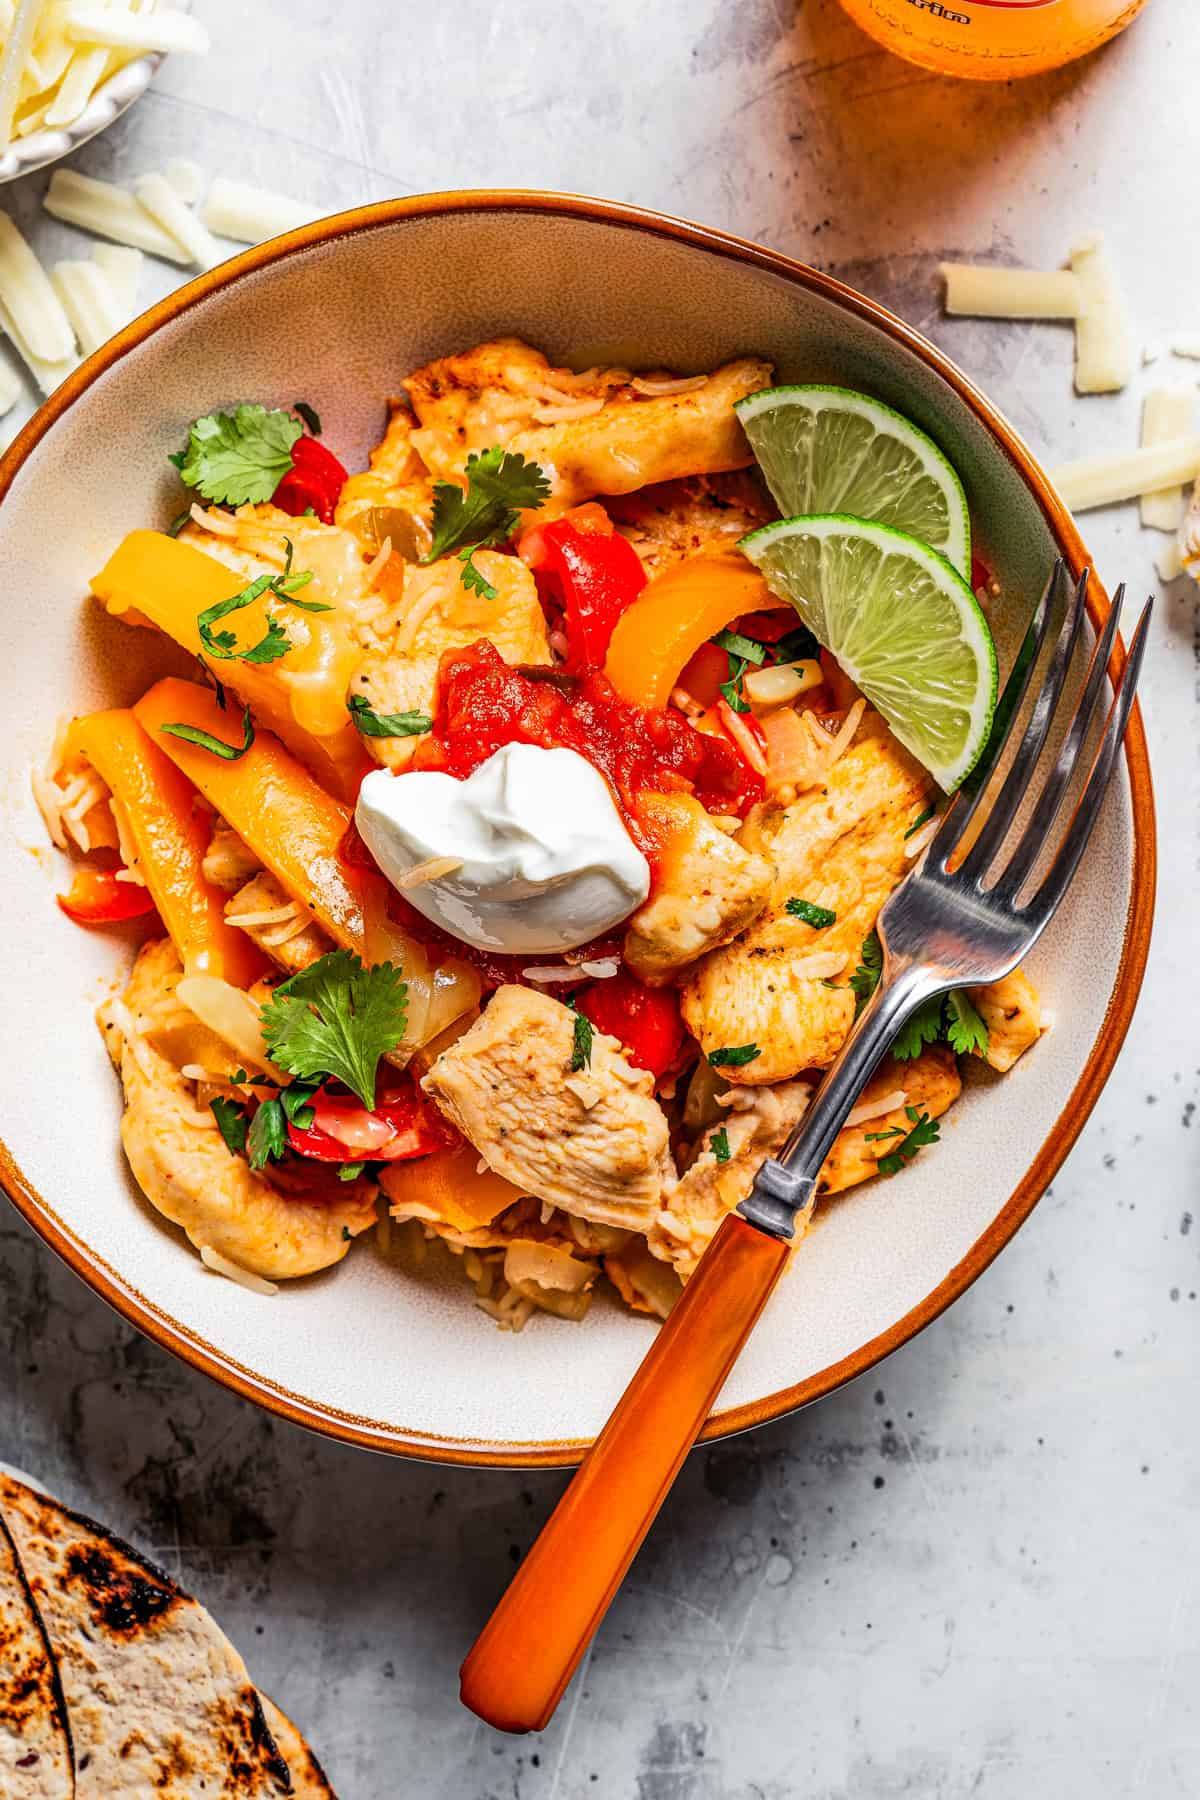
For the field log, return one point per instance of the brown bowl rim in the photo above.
(375, 1434)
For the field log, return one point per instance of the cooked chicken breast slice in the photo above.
(394, 497)
(182, 1165)
(281, 927)
(675, 519)
(705, 889)
(593, 1142)
(1012, 1011)
(840, 847)
(592, 433)
(229, 861)
(440, 614)
(930, 1083)
(253, 542)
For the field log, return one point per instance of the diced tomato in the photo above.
(767, 627)
(404, 1124)
(705, 674)
(646, 1020)
(588, 569)
(315, 480)
(96, 897)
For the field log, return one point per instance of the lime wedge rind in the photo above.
(902, 623)
(827, 450)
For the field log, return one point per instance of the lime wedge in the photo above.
(830, 450)
(902, 623)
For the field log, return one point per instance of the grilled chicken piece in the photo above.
(181, 1162)
(705, 889)
(1012, 1011)
(591, 433)
(440, 614)
(675, 519)
(229, 861)
(930, 1083)
(592, 1142)
(255, 545)
(394, 497)
(840, 846)
(283, 928)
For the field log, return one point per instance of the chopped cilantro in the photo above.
(816, 916)
(178, 522)
(238, 458)
(373, 724)
(718, 1143)
(309, 414)
(950, 1016)
(924, 1027)
(733, 1056)
(966, 1029)
(877, 1137)
(211, 681)
(268, 1134)
(581, 1047)
(922, 818)
(232, 1123)
(924, 1131)
(223, 645)
(350, 1172)
(500, 484)
(295, 1100)
(204, 740)
(732, 688)
(748, 649)
(337, 1018)
(865, 978)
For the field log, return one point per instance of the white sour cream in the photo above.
(546, 860)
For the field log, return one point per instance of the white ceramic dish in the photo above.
(110, 100)
(337, 313)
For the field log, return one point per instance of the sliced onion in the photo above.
(783, 682)
(232, 1015)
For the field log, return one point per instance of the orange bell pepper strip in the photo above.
(656, 637)
(292, 825)
(154, 803)
(450, 1185)
(158, 580)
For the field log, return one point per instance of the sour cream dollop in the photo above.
(546, 861)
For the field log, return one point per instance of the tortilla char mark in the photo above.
(250, 1752)
(124, 1599)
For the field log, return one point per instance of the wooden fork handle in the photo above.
(515, 1674)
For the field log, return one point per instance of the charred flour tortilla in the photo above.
(309, 1780)
(35, 1750)
(158, 1701)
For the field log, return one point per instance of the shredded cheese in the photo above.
(876, 1109)
(21, 30)
(84, 74)
(1169, 562)
(221, 1265)
(651, 389)
(110, 212)
(48, 375)
(1102, 480)
(1167, 413)
(31, 301)
(187, 178)
(89, 302)
(986, 293)
(432, 869)
(123, 267)
(250, 215)
(166, 209)
(918, 841)
(1186, 346)
(168, 32)
(1103, 346)
(10, 388)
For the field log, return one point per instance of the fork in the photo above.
(974, 905)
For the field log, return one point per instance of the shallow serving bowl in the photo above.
(385, 1356)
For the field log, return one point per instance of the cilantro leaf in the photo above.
(373, 724)
(500, 484)
(966, 1029)
(581, 1048)
(309, 414)
(819, 917)
(865, 978)
(924, 1027)
(473, 577)
(337, 1018)
(734, 644)
(733, 1056)
(732, 689)
(350, 1172)
(718, 1143)
(204, 740)
(231, 1121)
(922, 818)
(223, 645)
(294, 1099)
(878, 1137)
(924, 1131)
(240, 457)
(267, 1139)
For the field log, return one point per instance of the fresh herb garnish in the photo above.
(232, 1123)
(748, 649)
(581, 1047)
(309, 414)
(865, 978)
(500, 485)
(295, 1099)
(204, 740)
(384, 725)
(924, 1027)
(718, 1143)
(878, 1137)
(211, 681)
(733, 1056)
(924, 1131)
(816, 916)
(178, 522)
(922, 818)
(223, 645)
(238, 458)
(267, 1139)
(732, 689)
(337, 1018)
(951, 1016)
(350, 1172)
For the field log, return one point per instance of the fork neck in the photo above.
(786, 1184)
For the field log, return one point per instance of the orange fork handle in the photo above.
(515, 1674)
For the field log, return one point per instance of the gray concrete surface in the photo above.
(973, 1572)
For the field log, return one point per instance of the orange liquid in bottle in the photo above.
(992, 40)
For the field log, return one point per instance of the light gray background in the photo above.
(974, 1571)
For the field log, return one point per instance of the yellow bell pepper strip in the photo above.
(450, 1186)
(156, 579)
(154, 803)
(657, 636)
(292, 825)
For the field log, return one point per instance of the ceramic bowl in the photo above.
(110, 100)
(384, 1356)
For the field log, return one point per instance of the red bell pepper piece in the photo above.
(315, 479)
(96, 897)
(594, 573)
(403, 1125)
(646, 1020)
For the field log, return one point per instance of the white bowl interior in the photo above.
(403, 1354)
